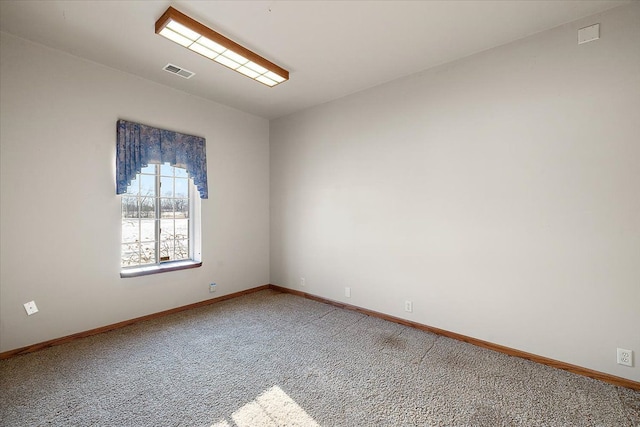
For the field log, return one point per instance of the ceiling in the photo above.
(331, 48)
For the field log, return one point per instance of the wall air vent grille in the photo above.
(174, 69)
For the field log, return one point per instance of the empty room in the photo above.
(319, 213)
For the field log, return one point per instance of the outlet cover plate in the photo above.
(625, 357)
(408, 306)
(30, 307)
(589, 34)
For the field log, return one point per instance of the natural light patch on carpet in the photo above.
(273, 408)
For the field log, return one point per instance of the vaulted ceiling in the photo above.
(331, 48)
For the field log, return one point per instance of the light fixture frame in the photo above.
(172, 14)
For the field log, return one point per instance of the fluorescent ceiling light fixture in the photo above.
(175, 37)
(248, 72)
(267, 81)
(198, 38)
(226, 62)
(196, 47)
(255, 67)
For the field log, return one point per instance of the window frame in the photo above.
(194, 237)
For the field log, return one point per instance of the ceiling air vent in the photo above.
(174, 69)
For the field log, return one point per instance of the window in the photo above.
(160, 222)
(160, 203)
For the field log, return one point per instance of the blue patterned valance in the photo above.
(139, 145)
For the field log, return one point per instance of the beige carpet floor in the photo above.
(272, 359)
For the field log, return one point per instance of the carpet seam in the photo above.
(433, 344)
(351, 325)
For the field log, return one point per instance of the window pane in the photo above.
(147, 185)
(166, 250)
(166, 187)
(129, 255)
(130, 207)
(182, 187)
(166, 208)
(182, 208)
(182, 229)
(167, 231)
(133, 188)
(182, 249)
(148, 230)
(147, 207)
(166, 170)
(130, 230)
(181, 173)
(149, 169)
(148, 253)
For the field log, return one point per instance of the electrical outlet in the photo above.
(589, 34)
(625, 357)
(347, 292)
(303, 282)
(408, 306)
(30, 307)
(212, 288)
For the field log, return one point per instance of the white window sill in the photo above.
(162, 268)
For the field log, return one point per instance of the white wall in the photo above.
(60, 217)
(500, 193)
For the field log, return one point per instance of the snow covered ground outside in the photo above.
(138, 240)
